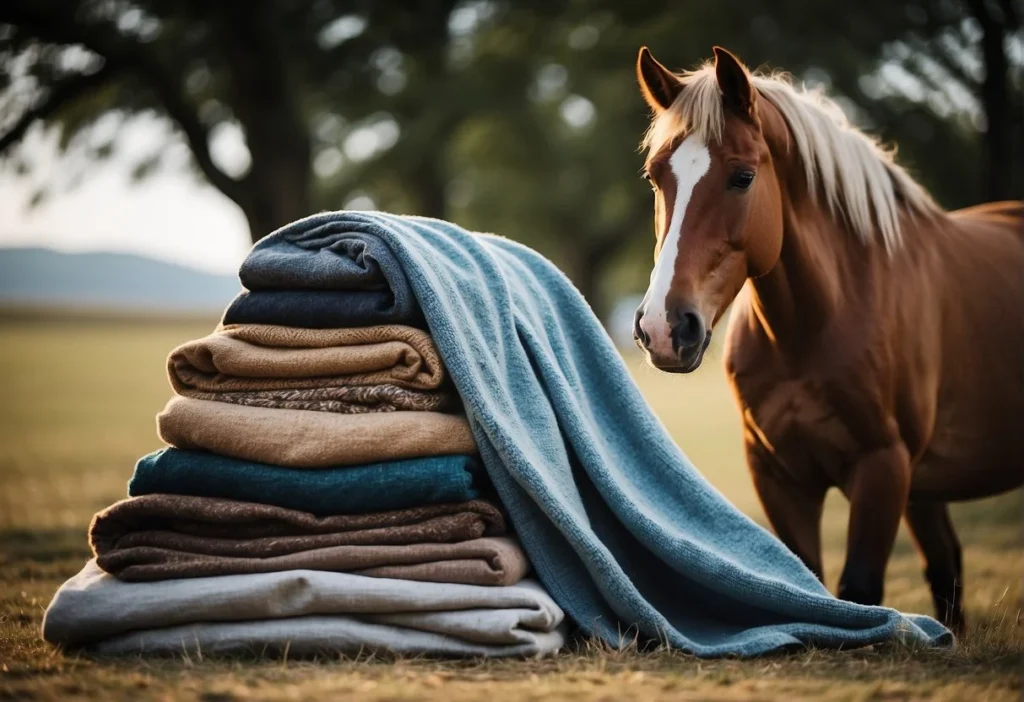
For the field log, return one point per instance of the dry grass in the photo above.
(76, 409)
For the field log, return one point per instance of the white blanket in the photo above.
(303, 611)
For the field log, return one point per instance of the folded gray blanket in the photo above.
(302, 611)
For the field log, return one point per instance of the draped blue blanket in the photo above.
(319, 277)
(323, 491)
(623, 531)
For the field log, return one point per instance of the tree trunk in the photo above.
(279, 191)
(430, 187)
(588, 264)
(264, 98)
(995, 96)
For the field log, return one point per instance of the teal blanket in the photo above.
(377, 487)
(623, 531)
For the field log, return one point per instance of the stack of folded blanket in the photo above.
(324, 490)
(321, 491)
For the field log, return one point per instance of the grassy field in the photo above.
(77, 402)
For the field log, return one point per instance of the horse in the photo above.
(875, 342)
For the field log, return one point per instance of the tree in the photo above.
(191, 62)
(517, 117)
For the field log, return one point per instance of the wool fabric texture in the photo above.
(266, 357)
(304, 439)
(621, 528)
(347, 490)
(323, 279)
(301, 612)
(160, 537)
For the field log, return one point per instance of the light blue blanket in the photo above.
(626, 535)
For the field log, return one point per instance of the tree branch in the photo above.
(65, 91)
(123, 55)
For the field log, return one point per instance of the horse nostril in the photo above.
(688, 332)
(639, 335)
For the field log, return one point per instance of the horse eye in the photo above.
(646, 176)
(741, 180)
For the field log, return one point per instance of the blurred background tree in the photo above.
(508, 116)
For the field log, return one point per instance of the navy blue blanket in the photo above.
(322, 491)
(626, 535)
(322, 278)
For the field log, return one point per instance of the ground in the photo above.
(77, 401)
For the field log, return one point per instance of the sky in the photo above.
(171, 216)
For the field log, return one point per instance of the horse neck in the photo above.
(819, 261)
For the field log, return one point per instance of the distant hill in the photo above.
(36, 277)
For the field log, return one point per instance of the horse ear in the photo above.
(734, 81)
(658, 84)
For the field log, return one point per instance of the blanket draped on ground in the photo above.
(303, 612)
(160, 537)
(323, 283)
(372, 487)
(622, 530)
(303, 439)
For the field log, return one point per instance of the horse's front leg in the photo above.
(877, 487)
(793, 508)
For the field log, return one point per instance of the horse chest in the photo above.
(798, 425)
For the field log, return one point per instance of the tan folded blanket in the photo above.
(161, 537)
(492, 561)
(345, 399)
(301, 439)
(249, 357)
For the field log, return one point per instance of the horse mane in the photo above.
(855, 174)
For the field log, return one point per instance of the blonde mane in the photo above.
(855, 175)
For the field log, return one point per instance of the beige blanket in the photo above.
(250, 357)
(302, 439)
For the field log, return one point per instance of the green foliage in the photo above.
(516, 117)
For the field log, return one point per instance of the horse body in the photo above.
(891, 372)
(924, 350)
(977, 447)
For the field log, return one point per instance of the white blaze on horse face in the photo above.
(690, 161)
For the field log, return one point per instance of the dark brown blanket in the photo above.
(488, 561)
(157, 537)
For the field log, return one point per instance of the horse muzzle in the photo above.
(687, 336)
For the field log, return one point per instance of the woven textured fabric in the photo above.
(622, 530)
(305, 439)
(267, 357)
(325, 491)
(161, 537)
(323, 278)
(300, 612)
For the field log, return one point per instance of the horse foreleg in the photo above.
(794, 509)
(877, 488)
(936, 540)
